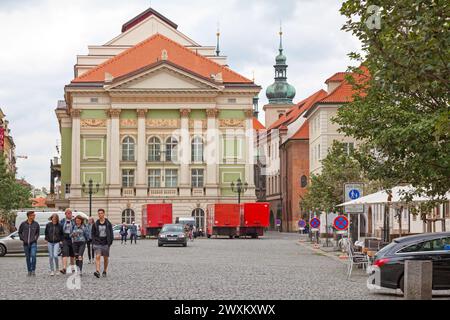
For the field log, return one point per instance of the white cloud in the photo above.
(41, 38)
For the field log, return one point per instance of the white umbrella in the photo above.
(382, 197)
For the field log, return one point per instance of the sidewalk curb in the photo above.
(305, 245)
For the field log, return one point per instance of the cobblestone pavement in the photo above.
(273, 267)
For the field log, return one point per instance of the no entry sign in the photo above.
(314, 223)
(341, 223)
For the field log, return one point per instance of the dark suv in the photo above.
(433, 247)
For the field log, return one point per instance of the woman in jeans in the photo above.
(79, 237)
(53, 236)
(90, 247)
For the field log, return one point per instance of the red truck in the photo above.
(223, 220)
(255, 217)
(154, 217)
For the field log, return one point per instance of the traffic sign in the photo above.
(278, 222)
(314, 223)
(302, 224)
(341, 223)
(353, 191)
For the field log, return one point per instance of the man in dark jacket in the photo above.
(29, 232)
(102, 239)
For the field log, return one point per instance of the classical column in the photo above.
(75, 189)
(114, 149)
(141, 174)
(185, 153)
(250, 153)
(212, 153)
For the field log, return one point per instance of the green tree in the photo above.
(401, 113)
(326, 190)
(12, 195)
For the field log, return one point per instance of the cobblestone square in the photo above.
(274, 267)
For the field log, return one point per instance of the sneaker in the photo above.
(33, 273)
(29, 274)
(104, 274)
(52, 273)
(63, 271)
(97, 274)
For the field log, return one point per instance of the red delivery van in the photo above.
(154, 217)
(223, 220)
(255, 217)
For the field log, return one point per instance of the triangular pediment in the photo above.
(163, 77)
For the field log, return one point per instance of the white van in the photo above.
(42, 217)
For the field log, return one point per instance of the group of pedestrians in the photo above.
(71, 236)
(124, 233)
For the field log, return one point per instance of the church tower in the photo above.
(280, 93)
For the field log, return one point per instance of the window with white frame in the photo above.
(197, 177)
(349, 147)
(171, 178)
(154, 178)
(197, 149)
(128, 149)
(171, 149)
(128, 178)
(154, 150)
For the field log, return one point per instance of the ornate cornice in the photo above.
(114, 113)
(93, 123)
(212, 113)
(163, 99)
(185, 112)
(231, 123)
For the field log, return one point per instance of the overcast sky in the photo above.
(41, 38)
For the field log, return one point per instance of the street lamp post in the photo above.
(239, 188)
(89, 189)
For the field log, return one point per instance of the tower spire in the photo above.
(281, 38)
(218, 39)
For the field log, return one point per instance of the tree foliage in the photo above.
(402, 117)
(326, 190)
(12, 194)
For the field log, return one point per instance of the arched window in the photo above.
(154, 150)
(128, 216)
(199, 216)
(303, 181)
(197, 149)
(171, 149)
(128, 149)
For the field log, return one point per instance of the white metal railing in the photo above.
(154, 192)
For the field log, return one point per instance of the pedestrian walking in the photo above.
(124, 232)
(29, 232)
(67, 225)
(53, 236)
(102, 239)
(79, 238)
(133, 232)
(89, 244)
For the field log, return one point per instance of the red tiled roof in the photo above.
(149, 52)
(337, 77)
(298, 109)
(257, 125)
(344, 92)
(303, 132)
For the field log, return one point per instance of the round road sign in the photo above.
(314, 223)
(341, 223)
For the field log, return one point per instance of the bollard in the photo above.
(418, 280)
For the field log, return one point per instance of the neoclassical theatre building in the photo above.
(154, 117)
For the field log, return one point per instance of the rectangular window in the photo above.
(154, 178)
(171, 178)
(349, 147)
(318, 152)
(67, 189)
(128, 178)
(197, 178)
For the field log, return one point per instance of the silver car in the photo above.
(12, 243)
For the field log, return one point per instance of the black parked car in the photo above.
(172, 234)
(434, 247)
